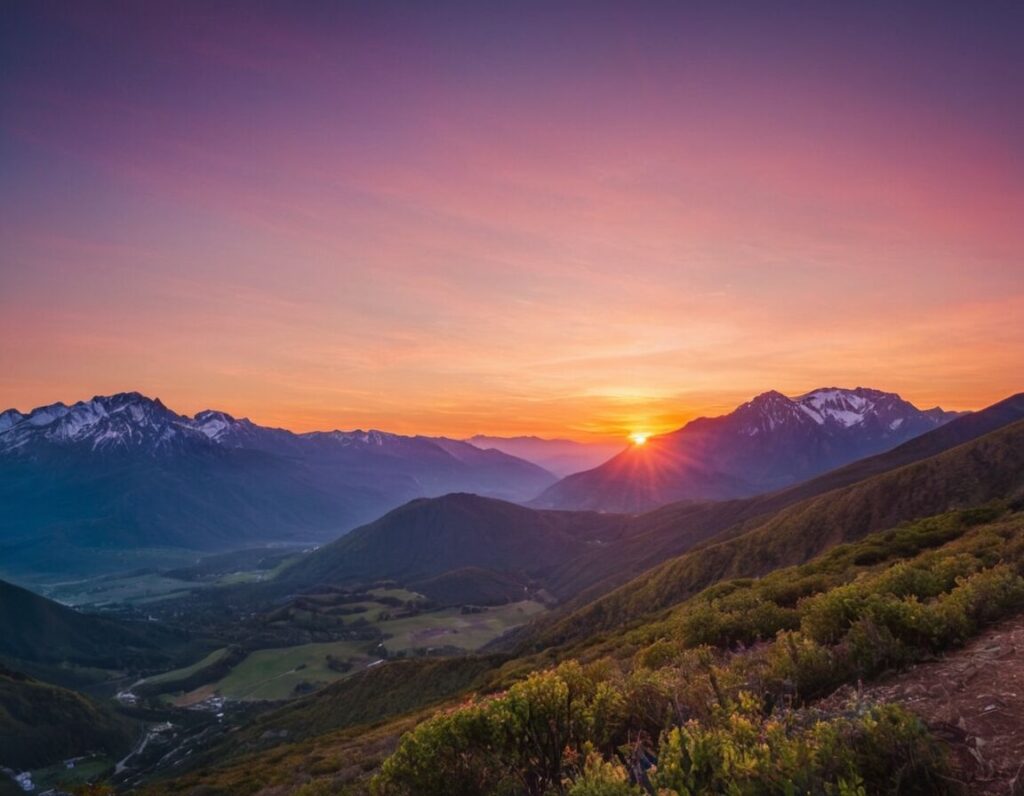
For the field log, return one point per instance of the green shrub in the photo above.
(720, 719)
(600, 778)
(451, 754)
(747, 754)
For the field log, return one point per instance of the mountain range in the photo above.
(125, 472)
(931, 528)
(83, 483)
(608, 582)
(575, 556)
(559, 456)
(765, 444)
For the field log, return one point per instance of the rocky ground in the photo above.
(973, 699)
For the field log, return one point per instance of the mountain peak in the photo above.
(357, 437)
(10, 418)
(767, 443)
(214, 423)
(126, 420)
(769, 398)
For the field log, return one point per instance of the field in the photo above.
(185, 671)
(130, 589)
(276, 673)
(450, 627)
(140, 587)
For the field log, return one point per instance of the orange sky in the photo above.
(458, 225)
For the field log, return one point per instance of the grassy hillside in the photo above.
(722, 696)
(473, 586)
(733, 673)
(985, 469)
(428, 537)
(39, 631)
(41, 724)
(365, 698)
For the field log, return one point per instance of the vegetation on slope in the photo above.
(767, 648)
(367, 697)
(40, 631)
(428, 537)
(985, 469)
(473, 586)
(721, 699)
(41, 724)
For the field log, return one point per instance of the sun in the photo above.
(638, 438)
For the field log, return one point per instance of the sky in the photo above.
(569, 219)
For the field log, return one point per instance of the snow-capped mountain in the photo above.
(860, 411)
(125, 471)
(123, 421)
(767, 443)
(131, 421)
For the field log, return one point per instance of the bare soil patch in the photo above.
(973, 699)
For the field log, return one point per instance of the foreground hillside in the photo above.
(736, 670)
(974, 698)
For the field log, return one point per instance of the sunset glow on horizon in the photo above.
(571, 220)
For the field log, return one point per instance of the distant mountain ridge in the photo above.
(560, 456)
(131, 420)
(125, 471)
(462, 544)
(767, 443)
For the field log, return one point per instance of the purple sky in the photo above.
(572, 219)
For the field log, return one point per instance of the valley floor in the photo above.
(972, 698)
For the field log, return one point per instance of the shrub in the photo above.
(744, 753)
(600, 778)
(719, 720)
(450, 754)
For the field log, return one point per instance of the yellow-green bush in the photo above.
(745, 753)
(720, 699)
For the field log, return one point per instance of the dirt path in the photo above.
(973, 699)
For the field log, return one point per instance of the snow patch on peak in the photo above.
(213, 424)
(848, 408)
(125, 420)
(357, 437)
(44, 415)
(812, 413)
(10, 418)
